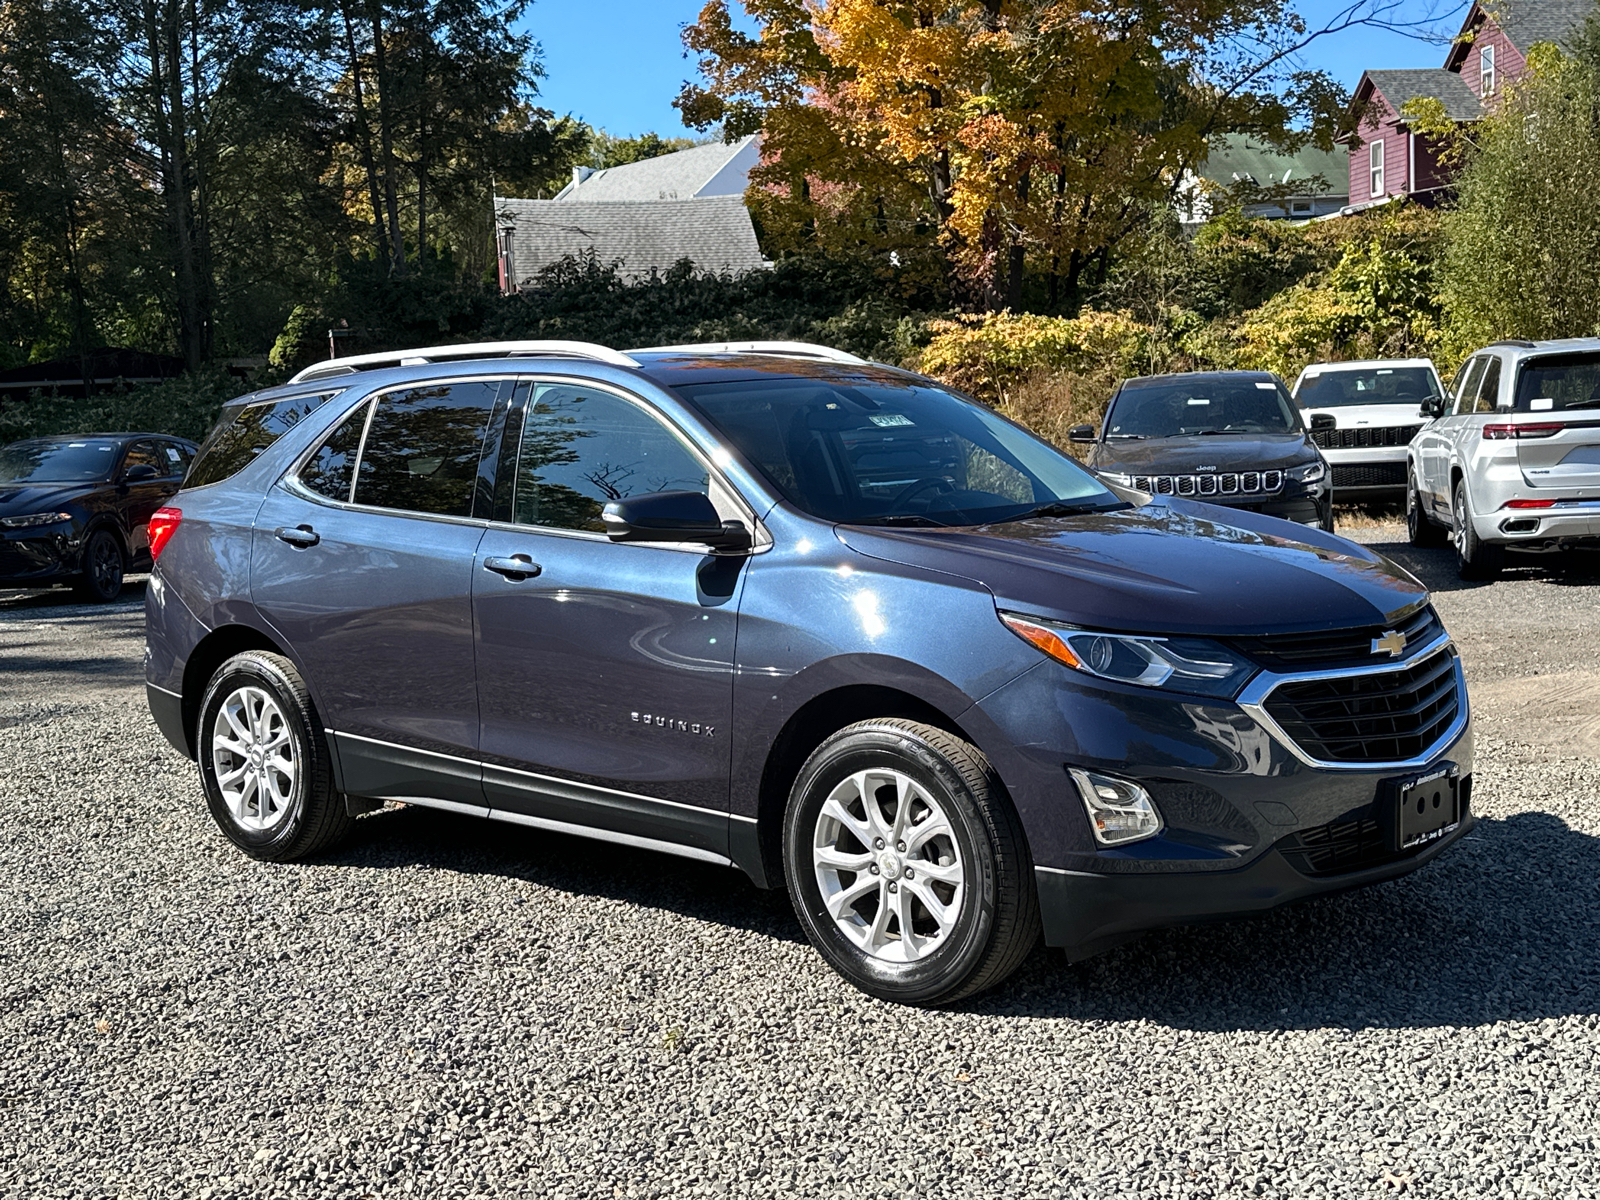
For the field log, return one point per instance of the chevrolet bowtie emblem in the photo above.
(1392, 643)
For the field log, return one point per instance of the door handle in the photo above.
(299, 536)
(516, 568)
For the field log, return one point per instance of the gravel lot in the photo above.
(454, 1008)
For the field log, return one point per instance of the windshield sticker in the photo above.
(1267, 387)
(1386, 371)
(1541, 404)
(888, 420)
(1313, 372)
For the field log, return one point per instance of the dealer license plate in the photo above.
(1427, 809)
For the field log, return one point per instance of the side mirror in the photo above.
(140, 473)
(1432, 407)
(1321, 421)
(673, 517)
(1081, 433)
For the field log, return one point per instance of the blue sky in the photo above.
(618, 63)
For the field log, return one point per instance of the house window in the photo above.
(1486, 71)
(1375, 170)
(1299, 208)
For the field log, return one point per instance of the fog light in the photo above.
(1120, 811)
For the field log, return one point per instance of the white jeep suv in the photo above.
(1375, 407)
(1512, 460)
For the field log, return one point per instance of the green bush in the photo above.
(186, 406)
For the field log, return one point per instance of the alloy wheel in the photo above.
(253, 755)
(105, 565)
(1459, 534)
(888, 866)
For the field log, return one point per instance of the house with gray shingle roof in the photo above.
(647, 216)
(1270, 182)
(1389, 159)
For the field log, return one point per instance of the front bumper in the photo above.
(29, 558)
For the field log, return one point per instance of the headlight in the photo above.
(32, 519)
(1196, 665)
(1120, 811)
(1310, 473)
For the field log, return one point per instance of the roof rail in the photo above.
(330, 368)
(796, 349)
(1520, 343)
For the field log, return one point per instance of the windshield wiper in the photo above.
(899, 519)
(1222, 432)
(1058, 508)
(1128, 437)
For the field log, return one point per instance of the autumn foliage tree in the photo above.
(1014, 138)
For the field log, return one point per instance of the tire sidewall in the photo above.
(942, 971)
(252, 670)
(91, 583)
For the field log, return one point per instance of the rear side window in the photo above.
(422, 448)
(332, 469)
(244, 431)
(1556, 382)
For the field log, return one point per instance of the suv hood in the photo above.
(1186, 455)
(17, 499)
(1378, 416)
(1171, 566)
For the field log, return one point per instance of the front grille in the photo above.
(1365, 475)
(1389, 716)
(1234, 483)
(1337, 647)
(1364, 437)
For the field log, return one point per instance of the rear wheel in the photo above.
(264, 763)
(1421, 528)
(907, 864)
(103, 567)
(1476, 559)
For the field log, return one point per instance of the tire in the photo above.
(261, 704)
(1420, 527)
(1476, 559)
(1325, 523)
(989, 910)
(104, 566)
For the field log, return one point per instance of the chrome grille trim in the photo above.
(1231, 483)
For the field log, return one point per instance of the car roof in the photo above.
(103, 437)
(1139, 381)
(1362, 364)
(677, 368)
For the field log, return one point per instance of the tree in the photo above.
(1022, 134)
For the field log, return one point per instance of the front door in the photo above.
(1438, 438)
(605, 670)
(363, 563)
(142, 497)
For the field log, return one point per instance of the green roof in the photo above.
(1235, 156)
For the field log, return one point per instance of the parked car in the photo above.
(823, 620)
(1226, 437)
(75, 509)
(1370, 412)
(1502, 465)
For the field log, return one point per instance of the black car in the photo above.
(1224, 437)
(74, 509)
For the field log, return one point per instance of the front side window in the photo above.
(243, 431)
(886, 452)
(1489, 389)
(583, 447)
(143, 454)
(1366, 385)
(1467, 386)
(1191, 405)
(422, 448)
(1486, 71)
(174, 459)
(84, 460)
(1375, 169)
(1557, 382)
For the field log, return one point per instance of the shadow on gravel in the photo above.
(1504, 927)
(1437, 568)
(704, 891)
(30, 603)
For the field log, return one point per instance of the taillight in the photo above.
(163, 524)
(1529, 504)
(1506, 433)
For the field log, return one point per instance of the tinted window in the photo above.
(1467, 385)
(1368, 385)
(174, 459)
(422, 448)
(1554, 382)
(144, 454)
(330, 471)
(1489, 389)
(582, 447)
(891, 452)
(1193, 404)
(57, 462)
(244, 431)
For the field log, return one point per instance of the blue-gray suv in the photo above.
(773, 606)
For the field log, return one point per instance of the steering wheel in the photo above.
(919, 486)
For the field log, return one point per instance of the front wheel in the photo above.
(907, 864)
(1476, 559)
(264, 763)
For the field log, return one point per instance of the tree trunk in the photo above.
(1016, 255)
(380, 235)
(391, 197)
(166, 93)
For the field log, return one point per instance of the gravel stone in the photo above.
(450, 1008)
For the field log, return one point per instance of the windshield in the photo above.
(57, 462)
(887, 453)
(1185, 405)
(1366, 385)
(1555, 382)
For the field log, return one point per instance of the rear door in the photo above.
(363, 562)
(1556, 407)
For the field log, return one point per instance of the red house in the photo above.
(1389, 159)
